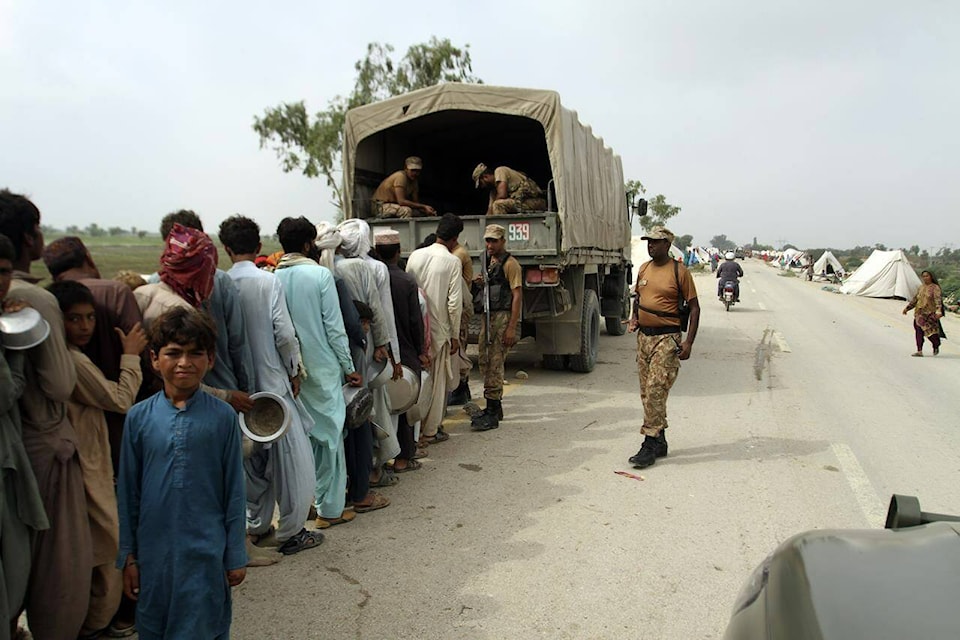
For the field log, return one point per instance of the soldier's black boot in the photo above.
(460, 395)
(647, 455)
(662, 444)
(489, 418)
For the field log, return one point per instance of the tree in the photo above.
(313, 145)
(94, 230)
(684, 241)
(117, 231)
(721, 243)
(658, 212)
(72, 230)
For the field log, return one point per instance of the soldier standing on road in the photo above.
(510, 191)
(661, 285)
(505, 281)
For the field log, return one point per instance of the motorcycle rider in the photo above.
(729, 271)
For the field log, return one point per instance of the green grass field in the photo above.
(116, 253)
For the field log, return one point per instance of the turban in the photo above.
(328, 239)
(355, 234)
(188, 264)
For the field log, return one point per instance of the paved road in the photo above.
(800, 409)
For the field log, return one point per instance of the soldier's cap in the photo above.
(494, 232)
(658, 233)
(384, 237)
(413, 162)
(479, 171)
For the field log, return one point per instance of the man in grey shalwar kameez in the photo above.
(355, 236)
(282, 471)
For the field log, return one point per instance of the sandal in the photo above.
(412, 465)
(441, 436)
(379, 502)
(421, 453)
(303, 540)
(387, 479)
(326, 523)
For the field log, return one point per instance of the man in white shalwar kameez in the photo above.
(311, 296)
(281, 472)
(439, 273)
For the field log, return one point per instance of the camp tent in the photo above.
(791, 258)
(827, 260)
(639, 255)
(885, 274)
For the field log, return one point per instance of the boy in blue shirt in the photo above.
(181, 492)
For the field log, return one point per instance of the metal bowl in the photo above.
(269, 418)
(23, 329)
(359, 405)
(379, 374)
(404, 391)
(419, 410)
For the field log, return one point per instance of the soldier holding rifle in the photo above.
(500, 290)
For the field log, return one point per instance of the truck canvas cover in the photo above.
(455, 126)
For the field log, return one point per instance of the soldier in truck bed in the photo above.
(510, 191)
(398, 196)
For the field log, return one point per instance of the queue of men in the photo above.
(334, 309)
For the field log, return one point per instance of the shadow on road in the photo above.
(760, 448)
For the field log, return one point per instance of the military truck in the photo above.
(575, 254)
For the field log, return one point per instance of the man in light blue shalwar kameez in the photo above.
(314, 306)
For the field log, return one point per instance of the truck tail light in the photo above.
(551, 275)
(534, 276)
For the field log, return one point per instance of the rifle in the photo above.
(486, 294)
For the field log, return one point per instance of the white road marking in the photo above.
(859, 483)
(782, 343)
(762, 306)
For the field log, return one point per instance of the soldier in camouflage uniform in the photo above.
(661, 285)
(510, 191)
(504, 279)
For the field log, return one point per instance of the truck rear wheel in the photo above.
(586, 359)
(615, 325)
(554, 361)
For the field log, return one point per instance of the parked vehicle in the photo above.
(902, 582)
(575, 255)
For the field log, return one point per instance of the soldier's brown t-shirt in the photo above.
(385, 192)
(657, 287)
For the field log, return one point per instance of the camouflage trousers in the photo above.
(492, 355)
(512, 205)
(658, 364)
(391, 210)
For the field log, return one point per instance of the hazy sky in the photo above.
(819, 123)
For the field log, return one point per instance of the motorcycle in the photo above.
(729, 295)
(841, 584)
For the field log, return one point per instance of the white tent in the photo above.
(791, 258)
(639, 255)
(827, 259)
(885, 274)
